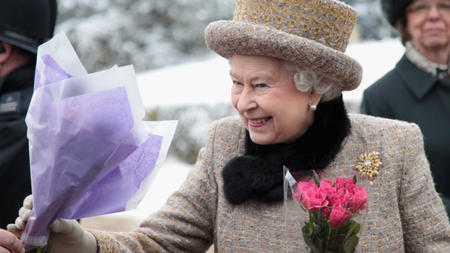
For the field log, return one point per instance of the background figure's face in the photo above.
(269, 104)
(428, 22)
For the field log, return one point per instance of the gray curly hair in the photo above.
(307, 79)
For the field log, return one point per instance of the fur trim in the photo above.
(259, 172)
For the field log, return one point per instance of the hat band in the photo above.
(19, 36)
(327, 22)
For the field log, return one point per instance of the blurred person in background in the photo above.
(24, 25)
(418, 88)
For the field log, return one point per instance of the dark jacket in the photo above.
(410, 94)
(15, 182)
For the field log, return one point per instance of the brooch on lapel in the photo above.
(368, 165)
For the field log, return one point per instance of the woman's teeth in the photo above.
(259, 121)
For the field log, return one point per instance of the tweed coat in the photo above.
(410, 94)
(405, 212)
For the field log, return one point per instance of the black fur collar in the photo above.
(259, 172)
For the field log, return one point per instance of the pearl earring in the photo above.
(312, 107)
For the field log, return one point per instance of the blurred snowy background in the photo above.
(180, 78)
(151, 34)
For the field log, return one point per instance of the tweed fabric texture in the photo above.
(312, 33)
(405, 212)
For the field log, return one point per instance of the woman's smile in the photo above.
(255, 123)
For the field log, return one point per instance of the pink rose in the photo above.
(302, 186)
(326, 187)
(358, 201)
(313, 200)
(325, 212)
(338, 216)
(340, 198)
(346, 183)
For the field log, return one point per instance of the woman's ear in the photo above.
(314, 98)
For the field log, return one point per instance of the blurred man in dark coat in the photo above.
(24, 25)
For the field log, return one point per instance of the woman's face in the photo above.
(428, 22)
(269, 104)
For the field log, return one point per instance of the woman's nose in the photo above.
(246, 100)
(434, 12)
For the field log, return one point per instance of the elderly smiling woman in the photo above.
(288, 69)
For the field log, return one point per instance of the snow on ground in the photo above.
(208, 82)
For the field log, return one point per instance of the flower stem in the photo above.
(328, 239)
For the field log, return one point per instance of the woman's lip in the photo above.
(433, 31)
(256, 125)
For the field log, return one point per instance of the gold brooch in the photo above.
(368, 165)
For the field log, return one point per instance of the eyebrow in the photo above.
(257, 76)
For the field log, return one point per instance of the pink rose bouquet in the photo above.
(332, 212)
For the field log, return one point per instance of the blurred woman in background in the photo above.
(418, 89)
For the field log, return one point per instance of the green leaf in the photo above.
(350, 244)
(318, 243)
(311, 227)
(306, 231)
(354, 179)
(311, 245)
(45, 249)
(316, 179)
(356, 228)
(312, 219)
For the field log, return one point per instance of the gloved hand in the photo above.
(66, 235)
(24, 215)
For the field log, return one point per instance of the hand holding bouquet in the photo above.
(332, 212)
(90, 151)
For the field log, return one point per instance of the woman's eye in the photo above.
(444, 7)
(263, 85)
(419, 8)
(237, 83)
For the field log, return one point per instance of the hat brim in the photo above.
(31, 47)
(228, 38)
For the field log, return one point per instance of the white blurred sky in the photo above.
(208, 82)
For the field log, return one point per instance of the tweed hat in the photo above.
(394, 9)
(312, 33)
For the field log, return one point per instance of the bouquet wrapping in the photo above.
(90, 152)
(325, 208)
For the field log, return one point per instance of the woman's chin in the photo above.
(437, 43)
(260, 139)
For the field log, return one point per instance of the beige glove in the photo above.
(67, 236)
